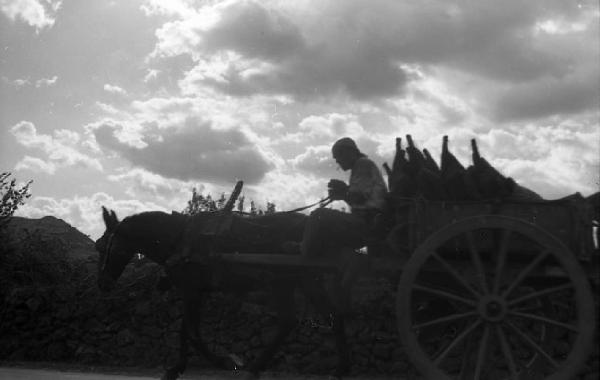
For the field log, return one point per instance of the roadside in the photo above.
(63, 371)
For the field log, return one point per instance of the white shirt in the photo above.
(366, 179)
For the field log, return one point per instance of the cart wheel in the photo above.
(477, 301)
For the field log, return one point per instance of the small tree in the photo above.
(221, 201)
(11, 197)
(199, 203)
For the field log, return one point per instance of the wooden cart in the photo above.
(497, 290)
(487, 290)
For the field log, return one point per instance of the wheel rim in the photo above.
(482, 312)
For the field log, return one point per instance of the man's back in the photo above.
(366, 179)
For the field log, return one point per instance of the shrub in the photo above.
(11, 197)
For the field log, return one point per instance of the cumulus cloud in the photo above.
(245, 48)
(36, 165)
(113, 89)
(60, 147)
(317, 161)
(141, 182)
(554, 160)
(46, 82)
(84, 212)
(194, 151)
(35, 13)
(249, 48)
(39, 83)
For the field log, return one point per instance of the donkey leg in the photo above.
(173, 372)
(339, 329)
(283, 294)
(315, 291)
(317, 294)
(192, 314)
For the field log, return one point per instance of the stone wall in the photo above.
(137, 325)
(66, 319)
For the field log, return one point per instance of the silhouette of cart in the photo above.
(487, 290)
(497, 290)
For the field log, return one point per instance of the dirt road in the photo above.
(52, 374)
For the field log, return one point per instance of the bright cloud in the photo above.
(58, 147)
(36, 165)
(84, 211)
(45, 82)
(113, 89)
(35, 13)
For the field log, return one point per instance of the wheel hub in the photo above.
(492, 308)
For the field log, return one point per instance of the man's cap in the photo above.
(344, 143)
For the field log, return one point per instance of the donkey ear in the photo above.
(113, 216)
(106, 216)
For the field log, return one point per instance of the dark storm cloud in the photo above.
(254, 31)
(548, 98)
(359, 66)
(350, 48)
(196, 151)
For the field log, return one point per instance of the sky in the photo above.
(131, 104)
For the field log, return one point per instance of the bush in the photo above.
(11, 197)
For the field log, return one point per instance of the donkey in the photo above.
(158, 236)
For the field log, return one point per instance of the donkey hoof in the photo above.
(237, 361)
(229, 362)
(246, 375)
(170, 374)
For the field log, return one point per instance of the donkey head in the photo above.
(114, 251)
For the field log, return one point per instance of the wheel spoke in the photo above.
(449, 318)
(477, 262)
(444, 294)
(545, 320)
(482, 351)
(501, 257)
(507, 353)
(540, 293)
(456, 275)
(533, 344)
(524, 273)
(456, 340)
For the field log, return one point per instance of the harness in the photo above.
(218, 225)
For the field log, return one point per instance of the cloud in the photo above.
(247, 48)
(196, 150)
(60, 147)
(547, 97)
(84, 212)
(36, 165)
(317, 161)
(141, 182)
(552, 160)
(33, 12)
(113, 89)
(46, 82)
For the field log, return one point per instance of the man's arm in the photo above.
(339, 191)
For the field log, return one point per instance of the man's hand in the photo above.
(337, 189)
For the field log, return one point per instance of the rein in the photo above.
(323, 202)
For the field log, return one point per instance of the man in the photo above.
(329, 230)
(365, 194)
